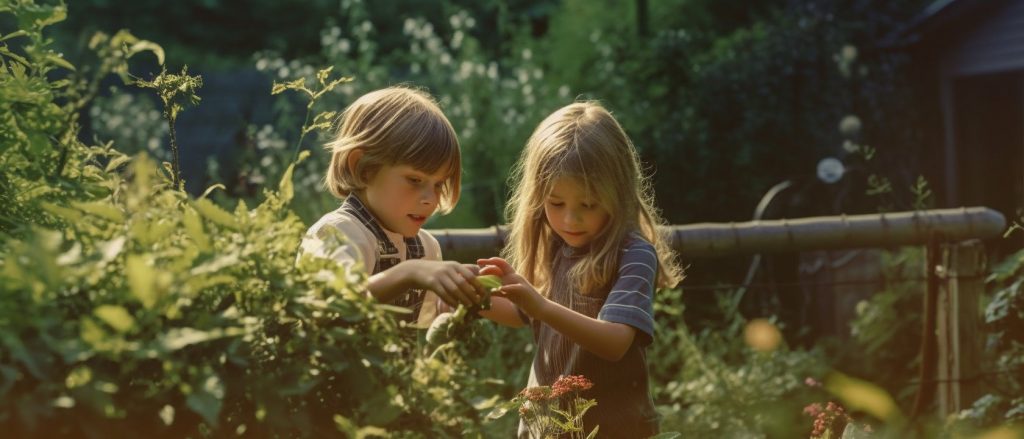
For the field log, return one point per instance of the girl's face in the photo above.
(402, 197)
(574, 216)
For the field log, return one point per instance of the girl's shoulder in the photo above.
(635, 242)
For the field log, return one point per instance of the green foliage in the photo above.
(1004, 317)
(712, 384)
(887, 328)
(130, 306)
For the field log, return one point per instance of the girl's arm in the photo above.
(503, 312)
(607, 340)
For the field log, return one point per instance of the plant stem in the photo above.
(298, 146)
(175, 167)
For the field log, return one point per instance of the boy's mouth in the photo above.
(419, 219)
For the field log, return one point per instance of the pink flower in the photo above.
(537, 394)
(570, 384)
(813, 409)
(812, 382)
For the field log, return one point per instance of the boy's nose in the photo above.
(429, 196)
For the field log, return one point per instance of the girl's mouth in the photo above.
(419, 219)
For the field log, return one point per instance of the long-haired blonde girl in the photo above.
(583, 261)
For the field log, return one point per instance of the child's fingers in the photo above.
(498, 262)
(465, 287)
(445, 285)
(469, 276)
(491, 269)
(445, 298)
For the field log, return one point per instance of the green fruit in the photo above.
(489, 281)
(438, 331)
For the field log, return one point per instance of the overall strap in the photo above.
(387, 253)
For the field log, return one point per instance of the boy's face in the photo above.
(576, 218)
(402, 197)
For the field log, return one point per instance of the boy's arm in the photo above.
(452, 282)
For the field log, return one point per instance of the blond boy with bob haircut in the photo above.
(395, 160)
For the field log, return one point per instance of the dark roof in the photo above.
(941, 19)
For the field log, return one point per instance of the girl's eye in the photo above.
(589, 206)
(414, 180)
(439, 186)
(556, 203)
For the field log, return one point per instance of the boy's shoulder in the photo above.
(340, 221)
(430, 243)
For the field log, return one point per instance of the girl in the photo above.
(583, 260)
(395, 161)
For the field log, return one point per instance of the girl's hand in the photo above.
(454, 283)
(524, 295)
(498, 267)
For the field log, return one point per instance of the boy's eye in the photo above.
(589, 206)
(414, 180)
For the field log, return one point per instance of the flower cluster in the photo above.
(552, 411)
(570, 385)
(831, 420)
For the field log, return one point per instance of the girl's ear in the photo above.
(353, 162)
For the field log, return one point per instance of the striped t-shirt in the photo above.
(624, 405)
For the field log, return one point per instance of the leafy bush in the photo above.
(1004, 317)
(130, 306)
(713, 384)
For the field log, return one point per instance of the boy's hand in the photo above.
(453, 283)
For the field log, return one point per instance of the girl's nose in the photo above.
(571, 217)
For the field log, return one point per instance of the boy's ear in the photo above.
(353, 162)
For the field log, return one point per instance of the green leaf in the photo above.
(393, 308)
(178, 338)
(194, 228)
(214, 213)
(481, 403)
(20, 33)
(115, 316)
(285, 186)
(58, 61)
(141, 280)
(101, 209)
(143, 46)
(117, 162)
(206, 399)
(863, 396)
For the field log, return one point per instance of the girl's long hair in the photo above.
(582, 141)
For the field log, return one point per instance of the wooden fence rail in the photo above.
(708, 240)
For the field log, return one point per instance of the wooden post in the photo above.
(959, 326)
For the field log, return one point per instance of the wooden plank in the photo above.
(959, 330)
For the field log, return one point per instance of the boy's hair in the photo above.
(394, 126)
(584, 142)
